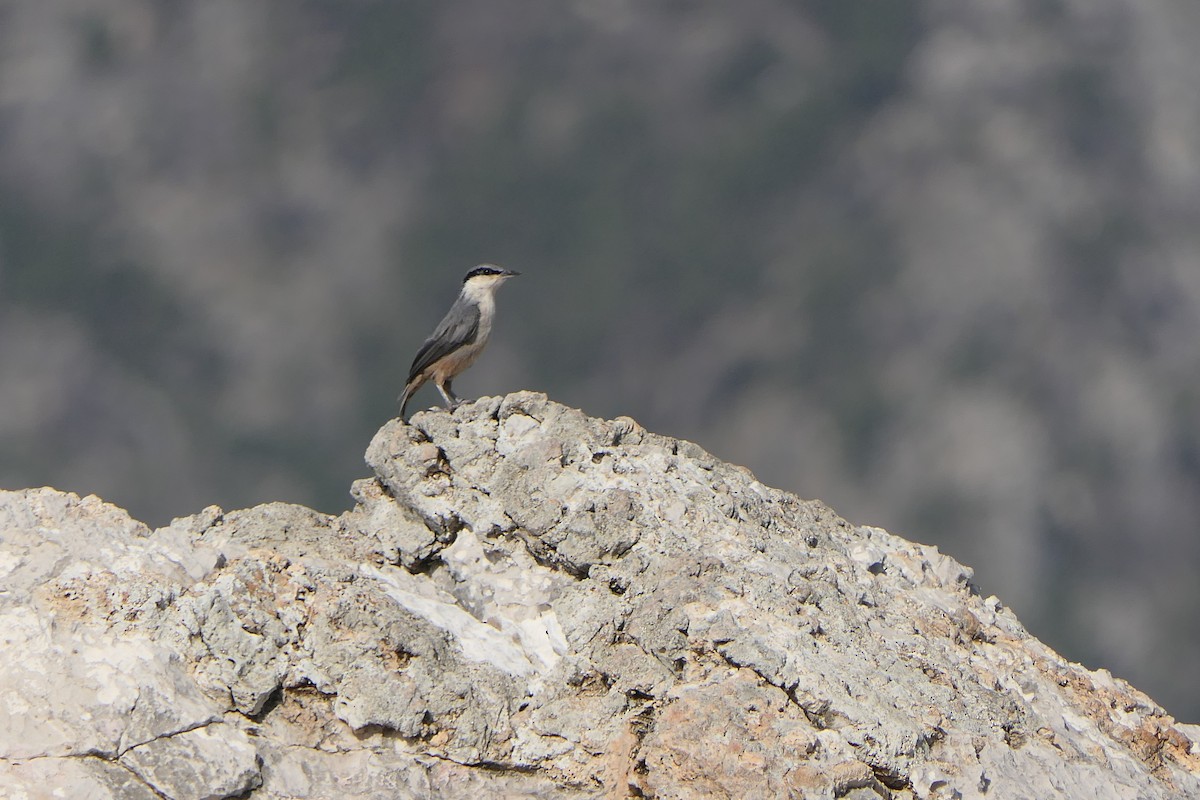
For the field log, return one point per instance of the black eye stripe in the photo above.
(484, 271)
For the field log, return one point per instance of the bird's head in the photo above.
(486, 277)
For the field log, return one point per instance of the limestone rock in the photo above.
(529, 602)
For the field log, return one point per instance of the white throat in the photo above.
(481, 290)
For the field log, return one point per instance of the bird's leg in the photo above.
(452, 401)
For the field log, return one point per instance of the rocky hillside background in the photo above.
(528, 602)
(934, 262)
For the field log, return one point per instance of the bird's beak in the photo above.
(511, 273)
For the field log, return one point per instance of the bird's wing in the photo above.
(458, 328)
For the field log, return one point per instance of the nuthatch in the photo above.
(459, 338)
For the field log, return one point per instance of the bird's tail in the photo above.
(410, 389)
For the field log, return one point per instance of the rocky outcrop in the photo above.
(527, 602)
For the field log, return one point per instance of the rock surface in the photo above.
(527, 602)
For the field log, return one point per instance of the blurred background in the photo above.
(934, 262)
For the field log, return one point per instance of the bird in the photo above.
(459, 338)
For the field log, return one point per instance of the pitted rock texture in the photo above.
(527, 602)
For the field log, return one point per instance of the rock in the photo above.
(207, 763)
(529, 602)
